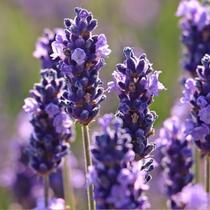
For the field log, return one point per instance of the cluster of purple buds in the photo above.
(192, 197)
(136, 84)
(195, 26)
(44, 50)
(178, 158)
(81, 57)
(52, 126)
(25, 186)
(197, 94)
(119, 183)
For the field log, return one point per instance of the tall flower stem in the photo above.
(88, 162)
(207, 174)
(46, 190)
(67, 186)
(197, 165)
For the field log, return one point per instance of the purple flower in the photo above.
(154, 85)
(52, 127)
(204, 114)
(57, 49)
(62, 123)
(78, 56)
(201, 101)
(177, 158)
(137, 84)
(102, 48)
(188, 91)
(195, 27)
(197, 92)
(199, 133)
(44, 49)
(30, 105)
(119, 183)
(119, 196)
(193, 197)
(52, 110)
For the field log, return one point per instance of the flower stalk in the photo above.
(207, 174)
(67, 186)
(46, 190)
(197, 165)
(88, 162)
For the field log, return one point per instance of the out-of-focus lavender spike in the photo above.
(54, 204)
(192, 197)
(195, 27)
(22, 181)
(177, 158)
(197, 94)
(119, 183)
(44, 49)
(52, 126)
(136, 84)
(81, 57)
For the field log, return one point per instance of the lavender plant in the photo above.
(196, 93)
(118, 182)
(195, 27)
(178, 159)
(49, 141)
(52, 126)
(137, 83)
(81, 56)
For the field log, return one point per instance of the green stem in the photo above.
(67, 186)
(197, 165)
(46, 190)
(207, 174)
(88, 162)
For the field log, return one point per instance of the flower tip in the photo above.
(67, 22)
(128, 51)
(206, 60)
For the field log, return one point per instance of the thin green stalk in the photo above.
(67, 186)
(207, 174)
(197, 165)
(88, 162)
(46, 190)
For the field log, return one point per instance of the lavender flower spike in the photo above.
(43, 49)
(198, 96)
(118, 182)
(81, 57)
(137, 83)
(177, 161)
(195, 27)
(193, 197)
(52, 126)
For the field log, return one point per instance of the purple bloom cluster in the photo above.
(197, 94)
(54, 204)
(137, 83)
(118, 182)
(177, 161)
(193, 197)
(44, 49)
(25, 186)
(81, 56)
(195, 26)
(52, 126)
